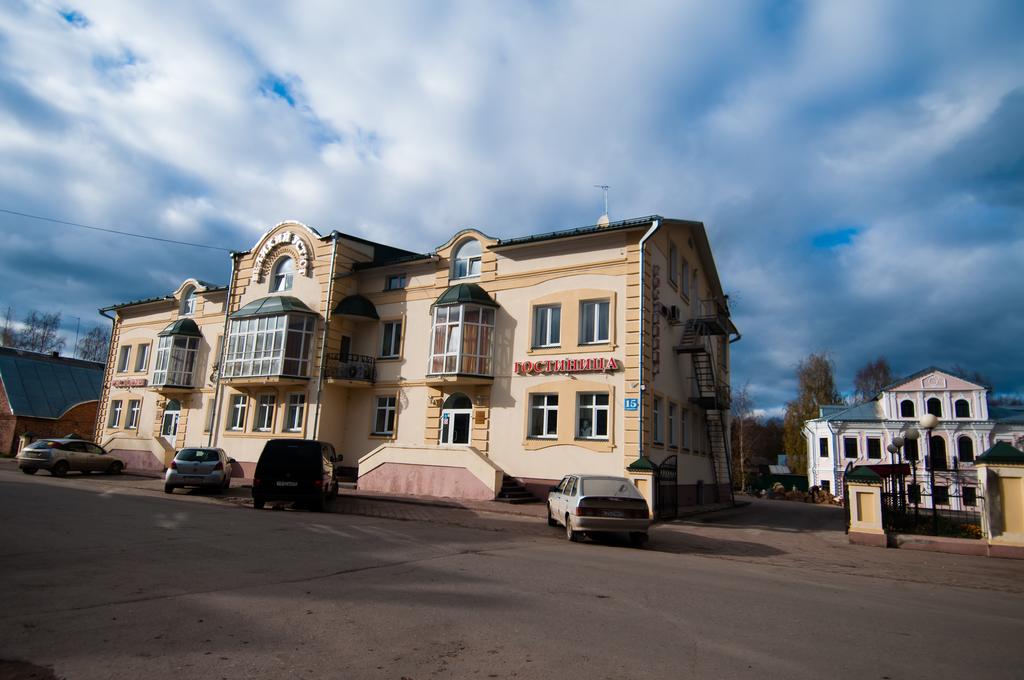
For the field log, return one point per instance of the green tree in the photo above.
(816, 387)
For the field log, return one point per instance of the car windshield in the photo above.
(43, 444)
(197, 455)
(609, 486)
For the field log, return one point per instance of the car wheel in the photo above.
(637, 539)
(320, 504)
(226, 485)
(571, 533)
(168, 488)
(29, 471)
(552, 522)
(115, 468)
(257, 503)
(59, 469)
(334, 491)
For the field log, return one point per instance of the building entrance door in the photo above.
(169, 427)
(456, 419)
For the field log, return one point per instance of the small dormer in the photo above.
(468, 257)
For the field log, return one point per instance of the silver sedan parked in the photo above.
(60, 456)
(586, 504)
(201, 467)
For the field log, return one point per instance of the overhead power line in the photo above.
(113, 231)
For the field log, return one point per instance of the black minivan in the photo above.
(299, 470)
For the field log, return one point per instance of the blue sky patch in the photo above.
(75, 18)
(275, 86)
(835, 238)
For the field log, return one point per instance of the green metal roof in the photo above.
(641, 464)
(864, 475)
(463, 293)
(45, 386)
(182, 327)
(272, 306)
(1001, 453)
(356, 305)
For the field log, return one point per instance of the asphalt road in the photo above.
(99, 579)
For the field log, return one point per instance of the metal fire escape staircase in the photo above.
(712, 394)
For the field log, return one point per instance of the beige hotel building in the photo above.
(484, 369)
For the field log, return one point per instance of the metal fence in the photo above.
(936, 503)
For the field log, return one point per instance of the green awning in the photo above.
(273, 306)
(465, 293)
(356, 305)
(182, 327)
(864, 475)
(641, 464)
(1001, 453)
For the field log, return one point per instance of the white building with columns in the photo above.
(967, 427)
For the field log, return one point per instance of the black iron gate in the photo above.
(667, 498)
(936, 502)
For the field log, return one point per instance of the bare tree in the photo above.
(8, 332)
(94, 345)
(742, 412)
(816, 388)
(974, 376)
(871, 378)
(40, 333)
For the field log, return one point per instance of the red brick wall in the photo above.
(80, 419)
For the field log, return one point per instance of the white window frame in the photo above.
(114, 419)
(134, 409)
(673, 439)
(142, 358)
(593, 408)
(385, 412)
(266, 404)
(295, 412)
(188, 303)
(595, 327)
(467, 266)
(282, 280)
(459, 345)
(124, 358)
(547, 326)
(685, 279)
(657, 431)
(237, 413)
(269, 345)
(391, 339)
(175, 360)
(547, 405)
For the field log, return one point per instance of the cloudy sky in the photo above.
(859, 165)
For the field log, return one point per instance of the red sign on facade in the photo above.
(129, 382)
(545, 366)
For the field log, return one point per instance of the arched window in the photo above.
(188, 302)
(937, 451)
(284, 272)
(467, 260)
(965, 449)
(934, 406)
(962, 408)
(457, 401)
(906, 409)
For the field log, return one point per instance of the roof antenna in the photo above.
(603, 220)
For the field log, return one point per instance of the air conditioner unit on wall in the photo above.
(673, 313)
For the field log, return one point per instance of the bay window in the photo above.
(269, 345)
(462, 340)
(175, 360)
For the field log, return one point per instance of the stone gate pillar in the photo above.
(864, 499)
(1001, 481)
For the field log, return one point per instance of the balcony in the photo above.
(351, 369)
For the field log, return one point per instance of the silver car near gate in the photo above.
(595, 504)
(200, 467)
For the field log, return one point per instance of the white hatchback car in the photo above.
(586, 504)
(200, 467)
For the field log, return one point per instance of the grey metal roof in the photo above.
(579, 231)
(356, 305)
(861, 412)
(275, 304)
(182, 327)
(1006, 414)
(44, 386)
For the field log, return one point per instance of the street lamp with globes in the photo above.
(928, 422)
